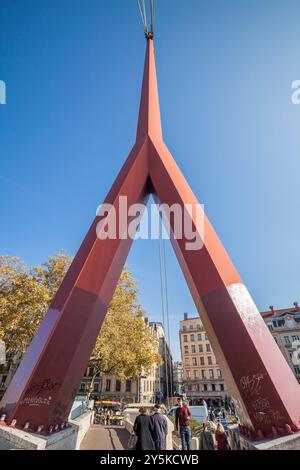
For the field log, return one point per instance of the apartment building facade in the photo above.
(202, 376)
(152, 387)
(284, 325)
(178, 378)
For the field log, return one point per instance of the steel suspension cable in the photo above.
(161, 270)
(143, 14)
(167, 309)
(152, 9)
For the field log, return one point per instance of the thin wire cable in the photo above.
(152, 3)
(163, 312)
(143, 14)
(141, 11)
(167, 306)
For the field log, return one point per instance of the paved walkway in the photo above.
(101, 437)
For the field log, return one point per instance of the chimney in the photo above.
(185, 316)
(271, 308)
(296, 305)
(146, 320)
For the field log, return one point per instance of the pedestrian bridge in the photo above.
(100, 437)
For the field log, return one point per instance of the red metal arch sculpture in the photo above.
(264, 388)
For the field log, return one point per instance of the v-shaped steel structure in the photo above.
(259, 379)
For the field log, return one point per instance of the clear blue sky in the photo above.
(73, 72)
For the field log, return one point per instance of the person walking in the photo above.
(182, 424)
(160, 428)
(143, 429)
(206, 441)
(211, 414)
(221, 438)
(108, 415)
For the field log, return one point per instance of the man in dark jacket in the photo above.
(182, 424)
(160, 428)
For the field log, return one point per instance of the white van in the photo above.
(199, 413)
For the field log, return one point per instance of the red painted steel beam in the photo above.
(259, 379)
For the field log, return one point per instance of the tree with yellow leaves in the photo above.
(125, 345)
(24, 298)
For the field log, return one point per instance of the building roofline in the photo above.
(275, 313)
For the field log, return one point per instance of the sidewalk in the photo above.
(101, 437)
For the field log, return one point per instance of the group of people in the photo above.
(151, 431)
(207, 440)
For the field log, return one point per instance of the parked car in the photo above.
(199, 413)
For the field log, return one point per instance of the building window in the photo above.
(198, 326)
(278, 323)
(206, 337)
(194, 361)
(200, 348)
(208, 347)
(297, 370)
(222, 387)
(193, 349)
(195, 374)
(186, 349)
(128, 385)
(185, 338)
(295, 338)
(213, 387)
(270, 326)
(192, 338)
(199, 337)
(203, 373)
(187, 362)
(184, 328)
(209, 358)
(91, 372)
(187, 374)
(205, 387)
(286, 339)
(202, 363)
(211, 374)
(118, 385)
(96, 387)
(219, 373)
(191, 327)
(82, 387)
(108, 385)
